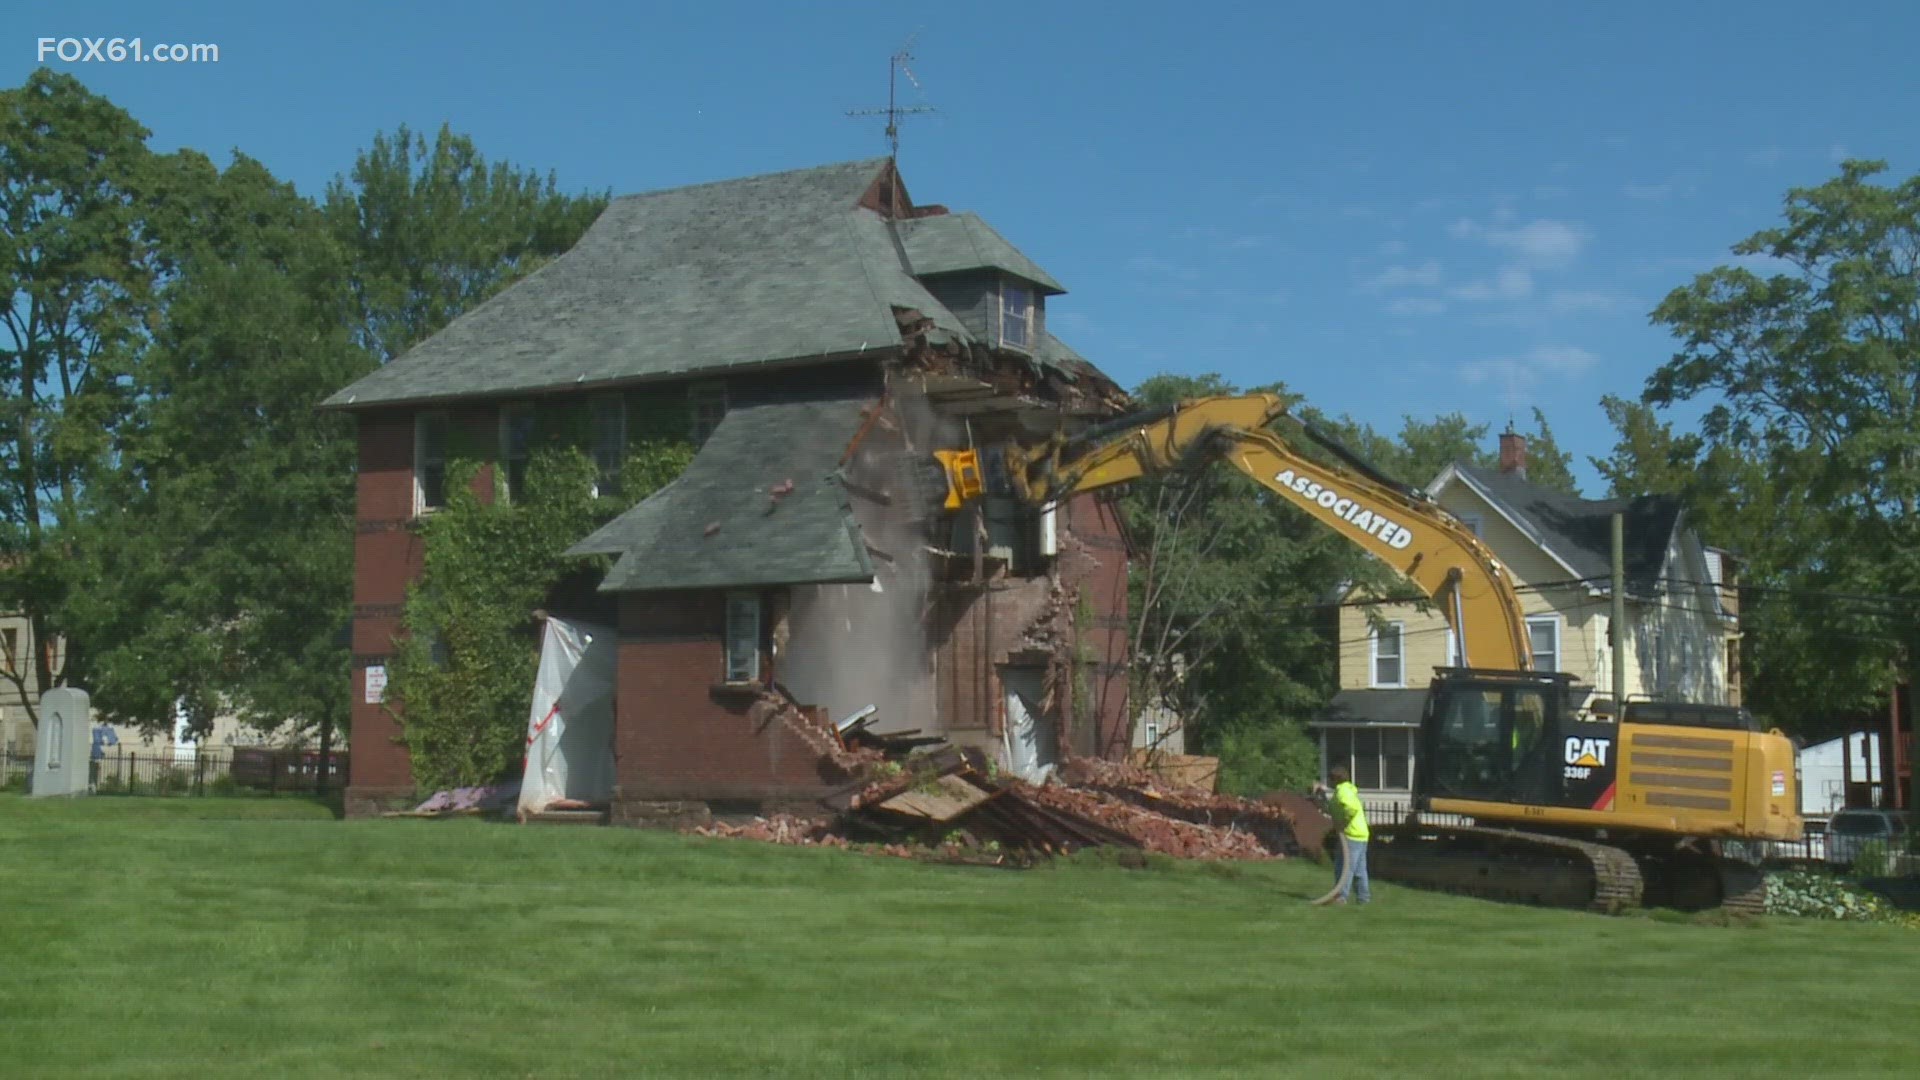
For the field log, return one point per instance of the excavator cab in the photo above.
(1512, 737)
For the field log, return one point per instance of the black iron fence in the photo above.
(240, 770)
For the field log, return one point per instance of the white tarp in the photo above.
(570, 727)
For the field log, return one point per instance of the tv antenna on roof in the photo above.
(896, 66)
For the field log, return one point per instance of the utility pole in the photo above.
(1617, 623)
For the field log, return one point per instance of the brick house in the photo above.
(815, 333)
(1682, 615)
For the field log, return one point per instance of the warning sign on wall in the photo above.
(376, 683)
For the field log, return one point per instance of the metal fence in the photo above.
(237, 771)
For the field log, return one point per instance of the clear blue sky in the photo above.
(1399, 208)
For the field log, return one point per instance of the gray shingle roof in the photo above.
(807, 537)
(954, 242)
(732, 274)
(1373, 708)
(1580, 531)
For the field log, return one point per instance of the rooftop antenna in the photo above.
(896, 66)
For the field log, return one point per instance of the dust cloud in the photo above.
(850, 646)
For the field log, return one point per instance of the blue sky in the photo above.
(1405, 208)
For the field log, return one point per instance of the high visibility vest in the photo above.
(1346, 798)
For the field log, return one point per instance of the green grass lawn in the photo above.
(215, 937)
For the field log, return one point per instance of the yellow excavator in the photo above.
(1571, 804)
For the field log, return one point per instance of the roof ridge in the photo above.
(850, 165)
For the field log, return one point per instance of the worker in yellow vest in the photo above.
(1342, 804)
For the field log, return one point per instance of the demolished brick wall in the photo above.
(679, 732)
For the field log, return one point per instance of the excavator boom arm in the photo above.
(1406, 531)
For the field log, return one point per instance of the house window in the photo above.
(708, 404)
(1388, 666)
(609, 441)
(1472, 522)
(429, 461)
(1543, 635)
(743, 637)
(10, 641)
(1378, 759)
(516, 434)
(1016, 316)
(1153, 733)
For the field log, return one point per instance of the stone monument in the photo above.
(61, 757)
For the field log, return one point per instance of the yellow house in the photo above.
(1682, 624)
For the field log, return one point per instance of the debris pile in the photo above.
(811, 727)
(952, 804)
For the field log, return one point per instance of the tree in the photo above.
(1812, 378)
(216, 567)
(434, 231)
(80, 270)
(1229, 592)
(213, 563)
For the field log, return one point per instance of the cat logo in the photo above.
(1590, 753)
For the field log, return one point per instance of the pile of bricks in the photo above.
(948, 803)
(1151, 830)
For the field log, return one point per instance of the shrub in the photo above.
(1814, 895)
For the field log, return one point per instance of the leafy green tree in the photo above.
(216, 562)
(213, 563)
(1229, 596)
(80, 269)
(434, 229)
(1811, 375)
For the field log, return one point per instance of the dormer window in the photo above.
(1016, 316)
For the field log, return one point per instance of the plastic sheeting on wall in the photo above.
(570, 727)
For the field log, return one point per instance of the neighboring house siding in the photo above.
(1423, 644)
(1541, 583)
(16, 728)
(1680, 640)
(1677, 648)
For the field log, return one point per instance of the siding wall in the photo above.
(1676, 648)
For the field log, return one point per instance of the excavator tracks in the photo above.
(1560, 871)
(1505, 864)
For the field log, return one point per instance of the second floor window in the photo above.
(1016, 316)
(609, 441)
(429, 461)
(1543, 631)
(516, 437)
(1389, 668)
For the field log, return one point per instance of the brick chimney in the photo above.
(1513, 453)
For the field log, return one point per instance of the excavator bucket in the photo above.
(963, 476)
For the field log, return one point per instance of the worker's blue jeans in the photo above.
(1358, 886)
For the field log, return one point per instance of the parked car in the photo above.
(1850, 831)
